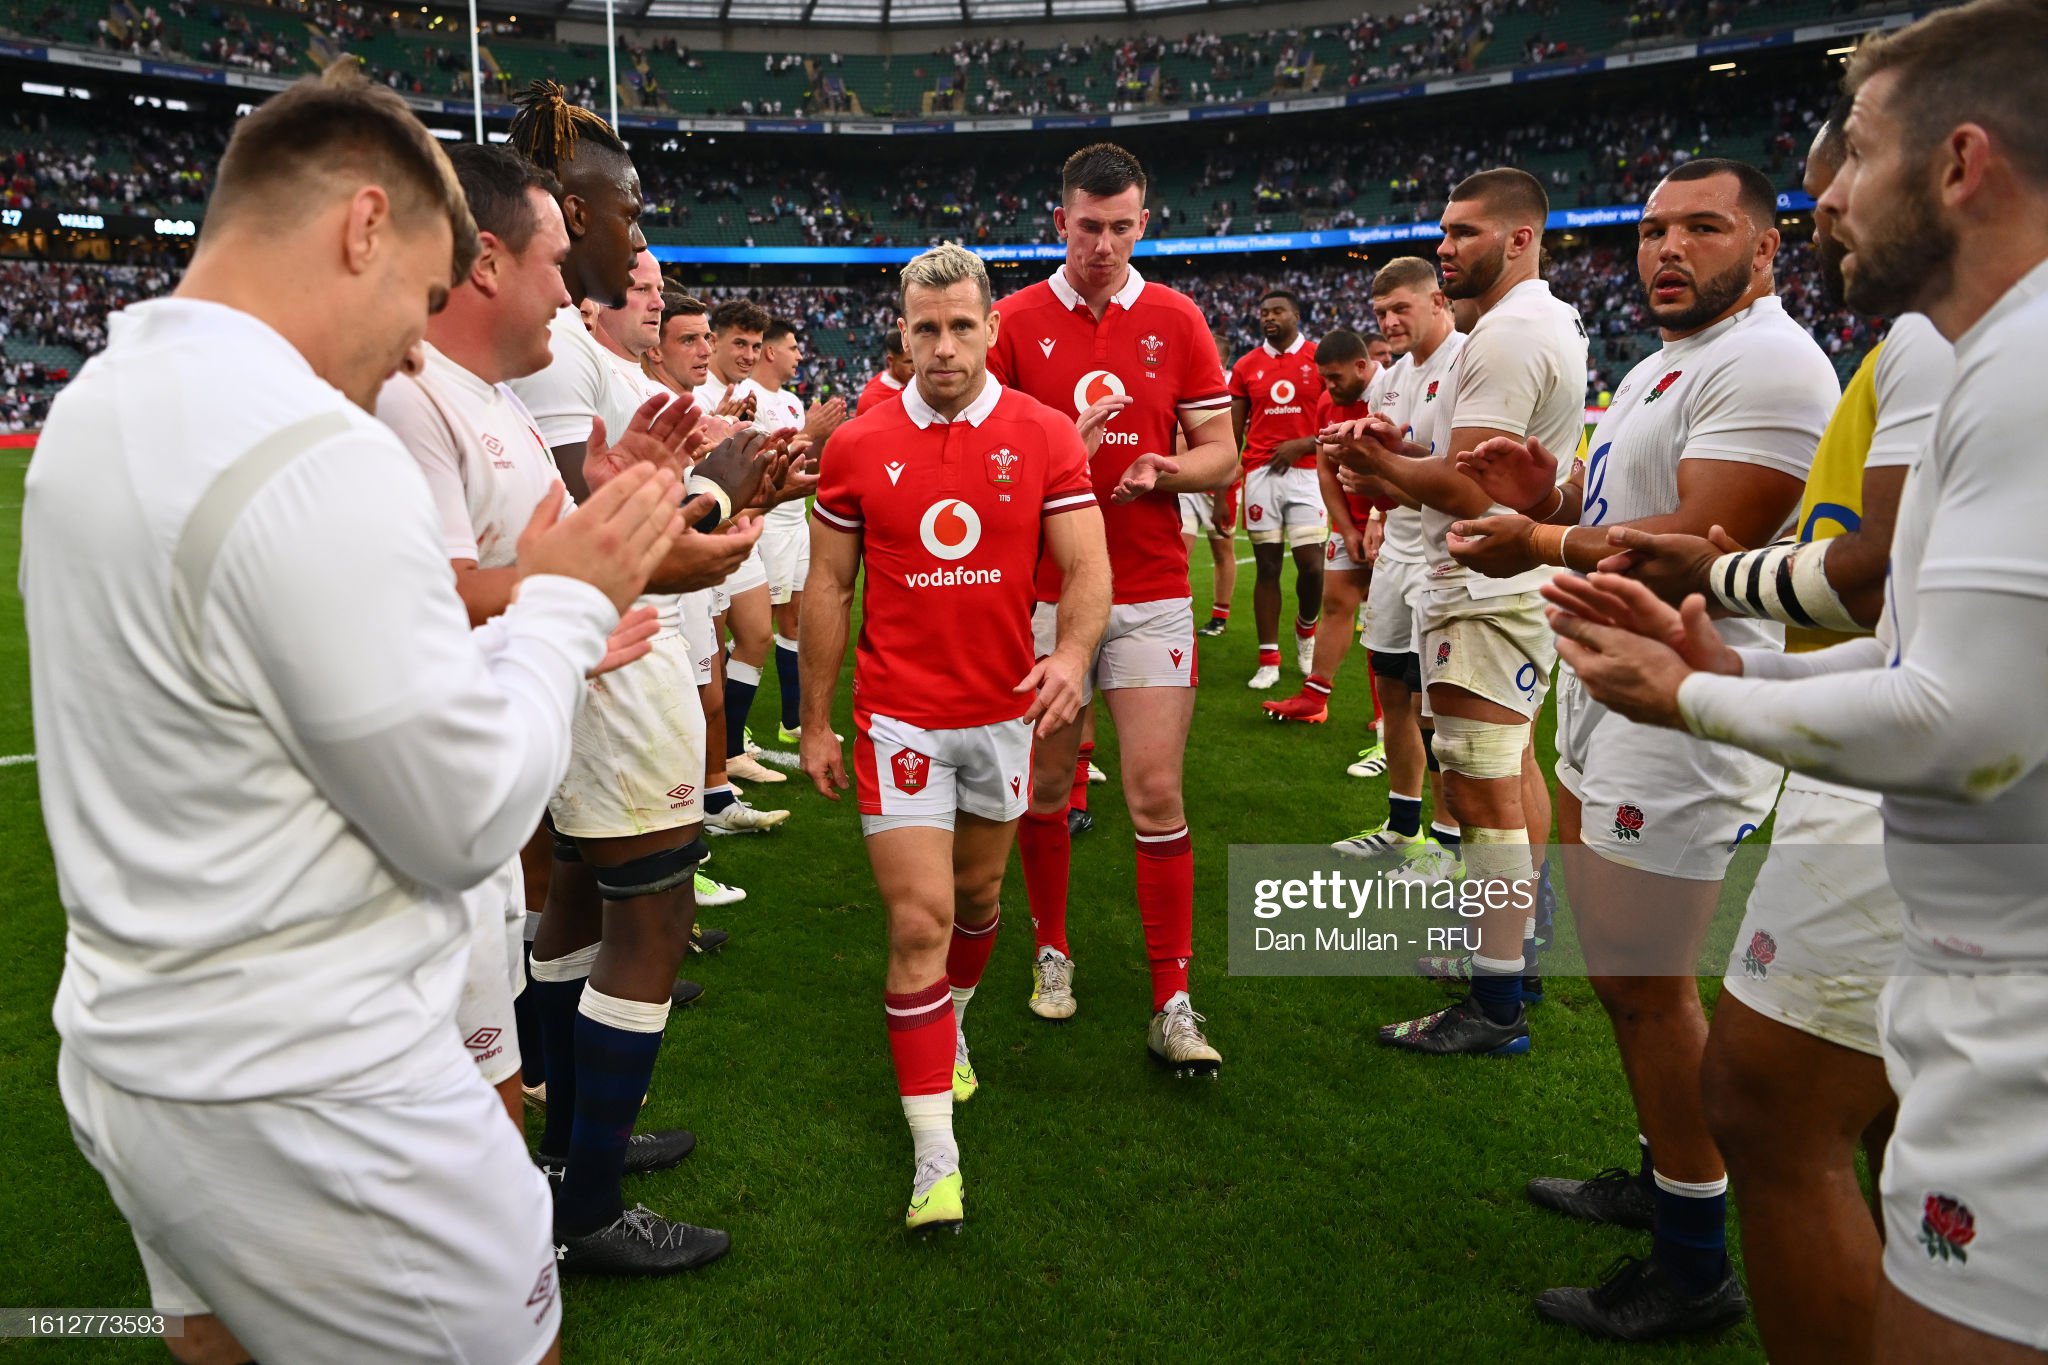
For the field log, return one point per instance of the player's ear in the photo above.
(1059, 222)
(1144, 220)
(1767, 247)
(995, 324)
(483, 276)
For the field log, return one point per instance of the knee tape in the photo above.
(569, 967)
(1480, 748)
(1498, 854)
(651, 873)
(565, 847)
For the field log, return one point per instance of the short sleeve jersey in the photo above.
(1327, 411)
(881, 389)
(1751, 389)
(1522, 370)
(951, 519)
(575, 385)
(1151, 343)
(1412, 395)
(1280, 389)
(483, 457)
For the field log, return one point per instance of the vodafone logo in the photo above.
(950, 529)
(1095, 386)
(1283, 391)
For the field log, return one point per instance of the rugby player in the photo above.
(1213, 516)
(1346, 369)
(1942, 209)
(1486, 651)
(1717, 428)
(267, 807)
(1136, 365)
(889, 380)
(628, 816)
(1273, 395)
(1415, 319)
(946, 499)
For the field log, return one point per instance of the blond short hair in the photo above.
(945, 266)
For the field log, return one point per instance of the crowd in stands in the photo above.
(107, 163)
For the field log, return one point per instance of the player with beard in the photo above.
(1135, 363)
(1943, 209)
(627, 817)
(1346, 369)
(1716, 429)
(1273, 394)
(1486, 652)
(1415, 319)
(1794, 1074)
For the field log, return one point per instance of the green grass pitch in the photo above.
(1325, 1199)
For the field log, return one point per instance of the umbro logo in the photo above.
(1046, 346)
(894, 470)
(481, 1039)
(681, 793)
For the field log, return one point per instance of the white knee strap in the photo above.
(1480, 748)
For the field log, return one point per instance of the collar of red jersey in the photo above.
(974, 414)
(1299, 342)
(889, 381)
(1123, 298)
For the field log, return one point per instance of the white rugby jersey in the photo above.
(1414, 397)
(1753, 389)
(777, 410)
(484, 458)
(1522, 370)
(579, 381)
(273, 753)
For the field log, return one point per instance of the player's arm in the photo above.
(1334, 501)
(821, 632)
(485, 593)
(1074, 543)
(1290, 452)
(1240, 410)
(1374, 448)
(1210, 460)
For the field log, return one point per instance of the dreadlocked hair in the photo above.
(547, 127)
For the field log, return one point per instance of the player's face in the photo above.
(411, 285)
(1697, 252)
(901, 368)
(686, 349)
(1101, 231)
(1827, 250)
(1406, 315)
(1346, 379)
(1278, 320)
(1381, 352)
(637, 326)
(737, 352)
(530, 290)
(1898, 251)
(602, 204)
(1474, 251)
(782, 360)
(949, 332)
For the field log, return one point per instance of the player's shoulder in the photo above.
(1031, 296)
(1766, 350)
(1018, 408)
(872, 421)
(1166, 299)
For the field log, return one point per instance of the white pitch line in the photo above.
(15, 760)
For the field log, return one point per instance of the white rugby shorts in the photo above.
(1146, 644)
(785, 550)
(1499, 648)
(1653, 798)
(1285, 503)
(636, 760)
(402, 1223)
(1821, 934)
(497, 973)
(907, 775)
(1391, 604)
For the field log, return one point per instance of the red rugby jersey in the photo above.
(951, 518)
(1151, 343)
(1280, 389)
(878, 391)
(1328, 412)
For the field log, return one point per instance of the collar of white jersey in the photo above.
(974, 414)
(1299, 342)
(439, 363)
(1769, 303)
(154, 318)
(2031, 286)
(1124, 298)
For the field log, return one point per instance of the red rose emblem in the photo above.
(1628, 822)
(1946, 1227)
(1761, 953)
(1443, 653)
(1666, 382)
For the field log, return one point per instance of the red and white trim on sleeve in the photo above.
(1208, 402)
(918, 1008)
(1067, 502)
(837, 520)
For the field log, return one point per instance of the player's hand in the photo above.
(1353, 482)
(1630, 674)
(630, 639)
(1606, 599)
(709, 431)
(656, 434)
(1497, 546)
(738, 464)
(1096, 416)
(822, 419)
(1375, 536)
(704, 559)
(822, 760)
(1514, 474)
(1057, 680)
(613, 541)
(1364, 443)
(735, 407)
(1142, 477)
(1671, 565)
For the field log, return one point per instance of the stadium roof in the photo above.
(875, 12)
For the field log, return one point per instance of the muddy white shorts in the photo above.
(1285, 503)
(1499, 648)
(636, 758)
